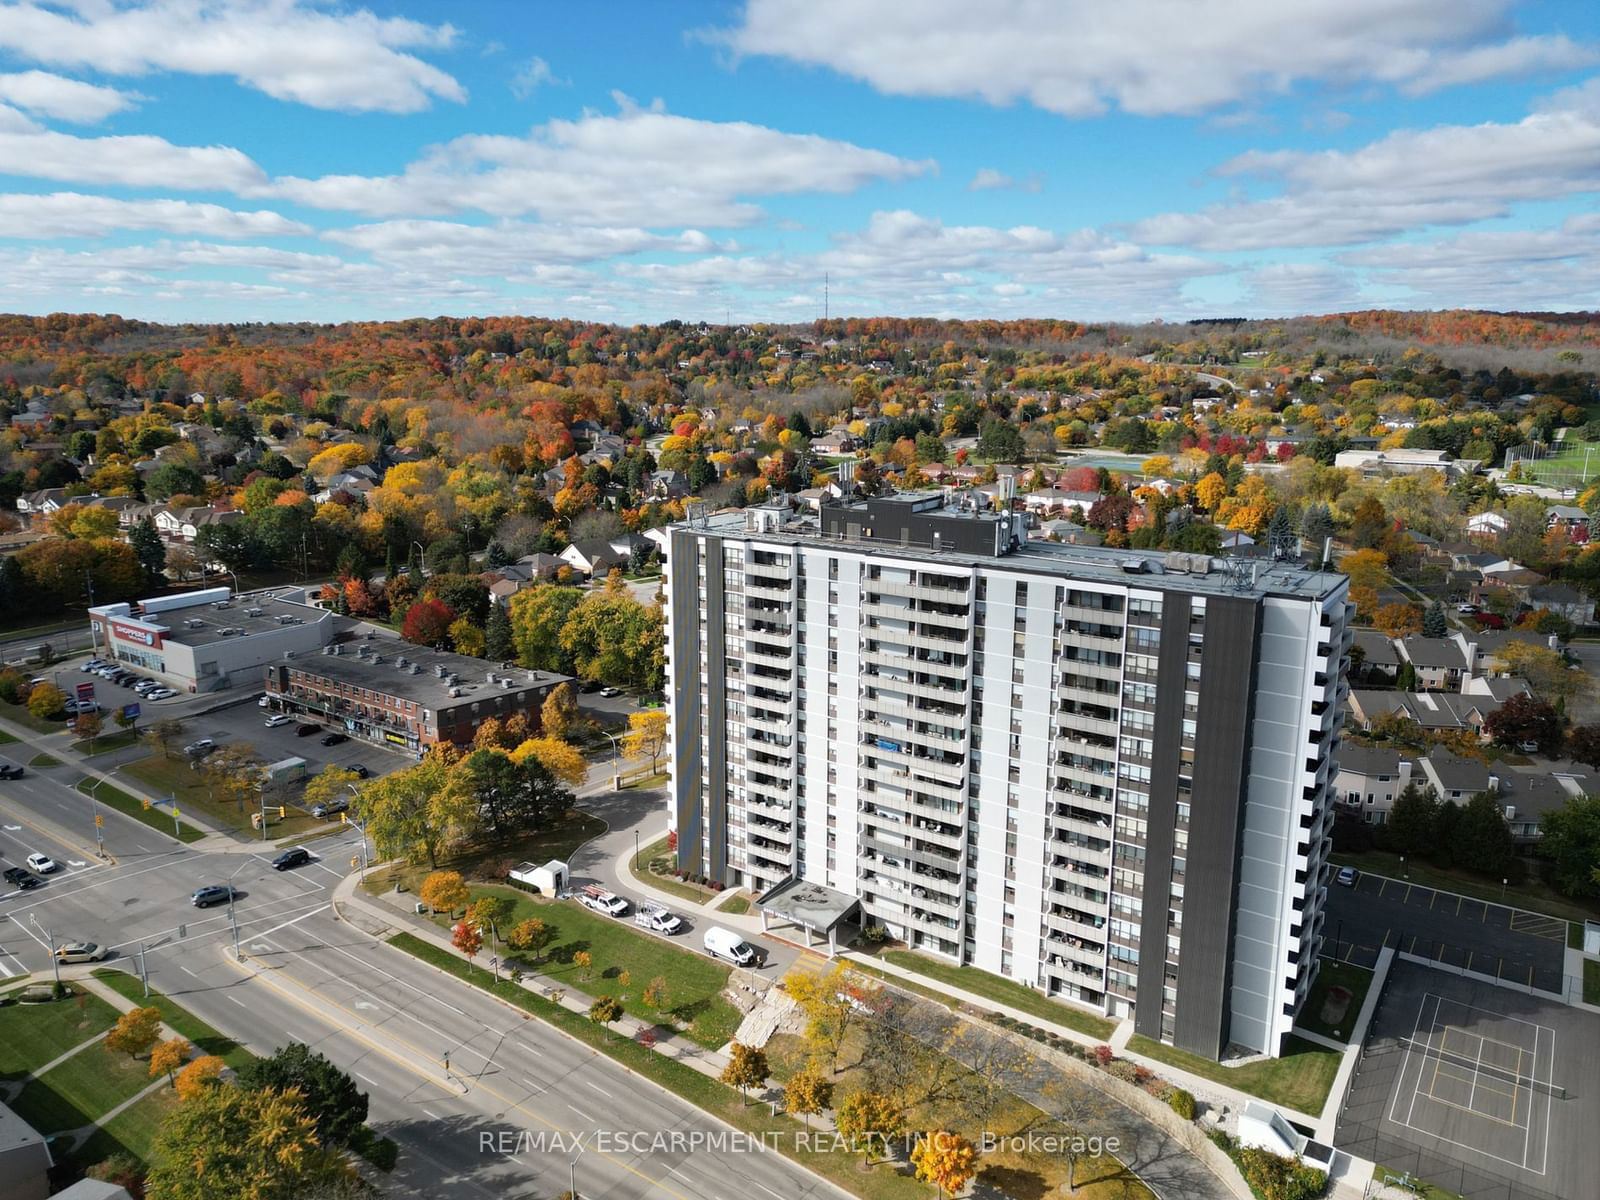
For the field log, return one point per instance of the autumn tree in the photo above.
(1398, 620)
(168, 1056)
(46, 700)
(1545, 670)
(427, 623)
(1366, 568)
(466, 635)
(1210, 491)
(135, 1031)
(330, 1096)
(747, 1068)
(559, 714)
(234, 1142)
(807, 1091)
(467, 937)
(584, 961)
(946, 1160)
(416, 813)
(163, 736)
(445, 891)
(204, 1072)
(328, 785)
(563, 760)
(531, 935)
(656, 994)
(605, 1010)
(1525, 719)
(870, 1119)
(646, 736)
(614, 637)
(87, 726)
(232, 774)
(830, 1003)
(1583, 744)
(492, 912)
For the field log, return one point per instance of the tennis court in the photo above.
(1485, 1091)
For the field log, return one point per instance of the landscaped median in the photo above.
(115, 798)
(723, 1102)
(1300, 1079)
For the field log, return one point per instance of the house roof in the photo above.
(1558, 593)
(1432, 652)
(1379, 650)
(1369, 760)
(1532, 796)
(1449, 772)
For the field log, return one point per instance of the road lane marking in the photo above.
(580, 1112)
(237, 1001)
(116, 877)
(293, 921)
(434, 1115)
(600, 1089)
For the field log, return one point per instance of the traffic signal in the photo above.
(99, 821)
(344, 818)
(280, 812)
(145, 800)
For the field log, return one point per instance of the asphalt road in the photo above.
(508, 1075)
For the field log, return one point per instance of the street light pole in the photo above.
(422, 556)
(55, 962)
(616, 763)
(635, 849)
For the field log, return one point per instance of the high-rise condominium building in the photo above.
(1106, 774)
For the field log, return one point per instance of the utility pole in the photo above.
(144, 971)
(55, 962)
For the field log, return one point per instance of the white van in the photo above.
(724, 943)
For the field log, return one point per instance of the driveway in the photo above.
(1491, 939)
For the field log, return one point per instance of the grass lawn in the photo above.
(20, 714)
(92, 1082)
(694, 984)
(114, 797)
(908, 985)
(206, 1039)
(739, 904)
(655, 870)
(1574, 935)
(1299, 1080)
(44, 760)
(724, 1102)
(1591, 981)
(130, 1132)
(1419, 1187)
(105, 744)
(7, 739)
(647, 781)
(1335, 974)
(575, 829)
(1532, 894)
(173, 777)
(33, 1034)
(1001, 991)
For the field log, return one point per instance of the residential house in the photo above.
(1380, 661)
(1571, 520)
(1454, 777)
(43, 502)
(1481, 648)
(835, 441)
(667, 485)
(184, 524)
(1564, 601)
(1431, 710)
(1370, 777)
(1438, 662)
(1498, 688)
(1487, 524)
(595, 556)
(1526, 800)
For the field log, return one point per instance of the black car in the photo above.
(306, 730)
(296, 857)
(10, 771)
(361, 771)
(212, 893)
(333, 739)
(589, 688)
(19, 878)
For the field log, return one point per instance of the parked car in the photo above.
(610, 692)
(726, 944)
(331, 808)
(1466, 610)
(602, 901)
(212, 893)
(653, 916)
(589, 688)
(18, 878)
(262, 701)
(1528, 747)
(94, 664)
(334, 739)
(306, 730)
(200, 748)
(160, 693)
(1347, 877)
(278, 719)
(11, 771)
(78, 952)
(43, 864)
(296, 856)
(361, 771)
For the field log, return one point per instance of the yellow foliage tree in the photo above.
(166, 1058)
(561, 759)
(1210, 491)
(808, 1091)
(946, 1160)
(646, 736)
(1366, 568)
(199, 1075)
(135, 1031)
(445, 891)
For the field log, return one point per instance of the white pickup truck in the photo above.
(661, 920)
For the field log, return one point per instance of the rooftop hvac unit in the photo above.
(507, 681)
(252, 612)
(401, 662)
(285, 619)
(438, 670)
(1511, 812)
(376, 659)
(288, 654)
(454, 692)
(491, 678)
(337, 649)
(327, 650)
(416, 669)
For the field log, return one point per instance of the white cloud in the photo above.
(508, 245)
(1532, 269)
(990, 179)
(638, 167)
(533, 75)
(134, 160)
(347, 60)
(66, 99)
(72, 214)
(1411, 179)
(1080, 57)
(1294, 289)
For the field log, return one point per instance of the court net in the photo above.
(1488, 1070)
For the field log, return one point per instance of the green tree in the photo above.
(1482, 840)
(1434, 624)
(605, 1010)
(228, 1143)
(1001, 441)
(151, 552)
(538, 615)
(611, 636)
(1571, 846)
(747, 1068)
(332, 1099)
(498, 643)
(415, 813)
(1412, 821)
(512, 798)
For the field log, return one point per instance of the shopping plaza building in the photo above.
(1105, 774)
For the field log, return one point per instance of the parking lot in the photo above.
(1481, 1090)
(1521, 947)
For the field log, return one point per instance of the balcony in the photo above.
(782, 593)
(1076, 950)
(1097, 830)
(912, 591)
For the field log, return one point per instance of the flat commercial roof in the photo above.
(246, 615)
(384, 671)
(809, 904)
(1255, 578)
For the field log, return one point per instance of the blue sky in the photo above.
(291, 160)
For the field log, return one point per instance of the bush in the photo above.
(381, 1152)
(1124, 1070)
(1275, 1178)
(1182, 1103)
(1103, 1055)
(876, 934)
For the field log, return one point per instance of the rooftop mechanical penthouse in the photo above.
(1106, 774)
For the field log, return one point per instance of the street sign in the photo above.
(130, 712)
